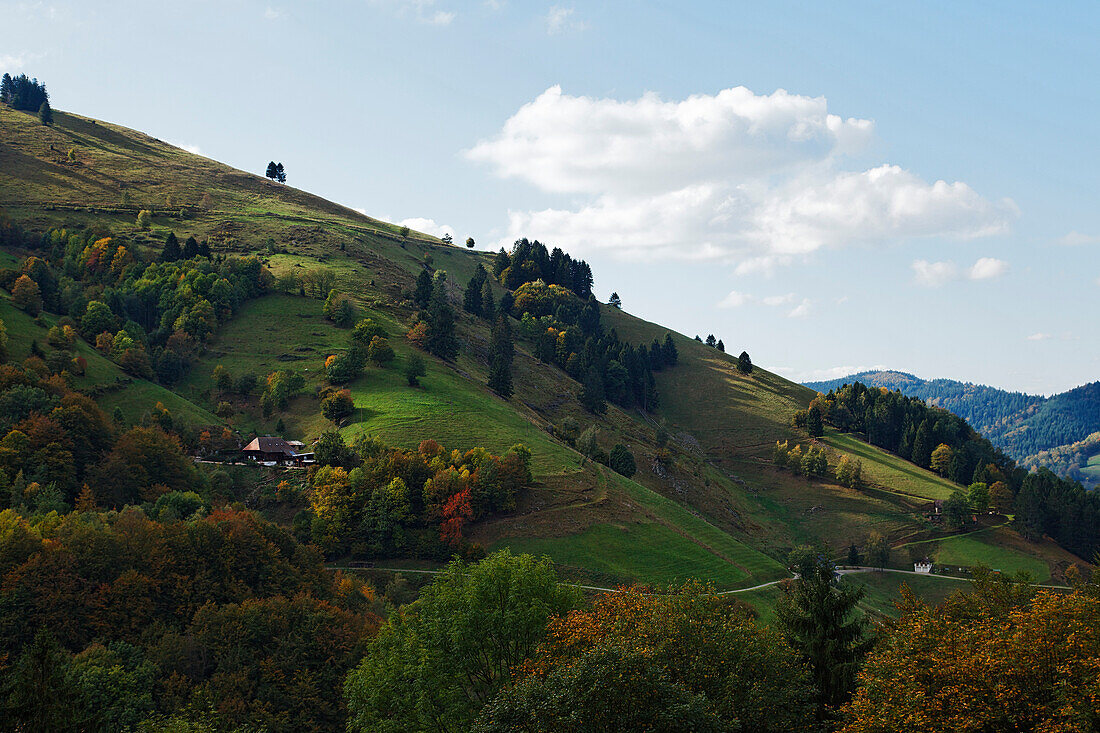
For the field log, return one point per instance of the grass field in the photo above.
(890, 472)
(991, 550)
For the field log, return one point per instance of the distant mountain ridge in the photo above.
(1022, 425)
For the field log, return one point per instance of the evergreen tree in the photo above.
(190, 248)
(853, 555)
(171, 251)
(592, 394)
(711, 341)
(272, 171)
(720, 346)
(441, 339)
(280, 173)
(615, 301)
(744, 363)
(422, 295)
(820, 619)
(45, 113)
(814, 426)
(622, 460)
(501, 262)
(7, 89)
(488, 307)
(670, 353)
(501, 353)
(471, 299)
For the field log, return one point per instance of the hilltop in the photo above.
(1056, 431)
(706, 501)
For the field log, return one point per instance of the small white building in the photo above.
(922, 566)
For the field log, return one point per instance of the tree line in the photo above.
(27, 95)
(936, 439)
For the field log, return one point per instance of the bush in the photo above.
(337, 405)
(621, 460)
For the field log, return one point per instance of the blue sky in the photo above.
(921, 195)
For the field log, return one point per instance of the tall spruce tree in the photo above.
(190, 248)
(471, 300)
(488, 306)
(441, 339)
(171, 251)
(272, 171)
(45, 113)
(280, 173)
(501, 354)
(744, 363)
(821, 621)
(592, 393)
(422, 295)
(671, 354)
(7, 89)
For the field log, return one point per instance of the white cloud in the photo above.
(361, 211)
(495, 4)
(12, 62)
(271, 13)
(194, 149)
(754, 179)
(427, 226)
(987, 268)
(1039, 336)
(563, 20)
(801, 310)
(774, 300)
(1077, 239)
(934, 274)
(734, 300)
(422, 11)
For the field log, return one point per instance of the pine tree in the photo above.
(711, 341)
(171, 251)
(501, 262)
(272, 171)
(814, 426)
(615, 301)
(45, 113)
(501, 354)
(820, 619)
(7, 89)
(488, 307)
(720, 346)
(471, 299)
(414, 369)
(190, 248)
(670, 352)
(423, 292)
(441, 339)
(592, 394)
(744, 363)
(280, 173)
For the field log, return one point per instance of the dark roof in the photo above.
(270, 444)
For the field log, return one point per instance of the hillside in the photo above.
(1032, 429)
(706, 501)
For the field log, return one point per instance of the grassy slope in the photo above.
(721, 512)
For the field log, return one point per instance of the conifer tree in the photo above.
(501, 354)
(592, 393)
(45, 113)
(7, 89)
(190, 248)
(720, 346)
(814, 425)
(820, 619)
(488, 307)
(280, 173)
(441, 339)
(615, 301)
(422, 295)
(471, 299)
(501, 262)
(711, 341)
(171, 251)
(272, 171)
(744, 363)
(670, 353)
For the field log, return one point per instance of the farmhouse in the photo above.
(275, 451)
(922, 566)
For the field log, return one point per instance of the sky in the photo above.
(829, 186)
